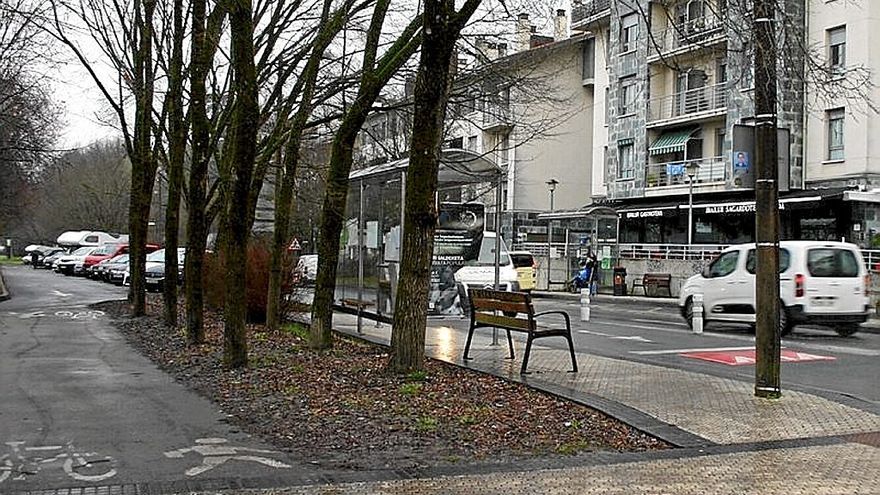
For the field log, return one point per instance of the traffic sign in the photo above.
(744, 357)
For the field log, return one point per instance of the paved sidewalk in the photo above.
(731, 441)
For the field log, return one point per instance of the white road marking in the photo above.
(697, 349)
(635, 338)
(600, 334)
(215, 453)
(61, 294)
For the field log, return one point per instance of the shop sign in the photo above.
(736, 208)
(644, 214)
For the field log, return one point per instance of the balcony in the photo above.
(674, 174)
(585, 10)
(496, 117)
(707, 101)
(700, 32)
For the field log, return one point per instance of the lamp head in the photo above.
(692, 169)
(551, 184)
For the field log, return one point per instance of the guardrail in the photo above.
(688, 102)
(675, 173)
(691, 32)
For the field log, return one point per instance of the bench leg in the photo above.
(523, 371)
(467, 346)
(574, 363)
(510, 344)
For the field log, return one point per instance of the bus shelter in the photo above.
(575, 235)
(370, 248)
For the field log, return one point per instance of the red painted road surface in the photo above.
(747, 356)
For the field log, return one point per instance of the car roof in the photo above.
(799, 243)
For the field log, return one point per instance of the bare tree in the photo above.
(442, 28)
(376, 71)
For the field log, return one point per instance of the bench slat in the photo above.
(500, 295)
(501, 321)
(492, 305)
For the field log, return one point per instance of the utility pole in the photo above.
(767, 333)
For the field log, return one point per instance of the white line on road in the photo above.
(698, 349)
(61, 294)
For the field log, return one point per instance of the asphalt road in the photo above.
(656, 334)
(79, 407)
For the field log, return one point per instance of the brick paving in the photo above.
(837, 469)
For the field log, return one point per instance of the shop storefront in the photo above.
(821, 214)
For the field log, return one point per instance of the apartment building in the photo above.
(678, 82)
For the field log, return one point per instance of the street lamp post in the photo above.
(551, 185)
(692, 169)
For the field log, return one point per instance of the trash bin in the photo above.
(619, 281)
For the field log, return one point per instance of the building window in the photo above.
(472, 143)
(627, 102)
(721, 71)
(719, 141)
(629, 32)
(627, 166)
(504, 151)
(837, 49)
(455, 143)
(835, 133)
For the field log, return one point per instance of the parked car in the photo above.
(108, 251)
(37, 257)
(50, 261)
(72, 264)
(306, 270)
(526, 270)
(115, 269)
(821, 283)
(82, 238)
(97, 271)
(155, 272)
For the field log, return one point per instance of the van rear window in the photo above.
(522, 260)
(831, 262)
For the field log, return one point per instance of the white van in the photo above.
(480, 273)
(821, 283)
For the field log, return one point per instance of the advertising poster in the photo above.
(456, 242)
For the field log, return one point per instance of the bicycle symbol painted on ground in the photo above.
(80, 315)
(215, 453)
(28, 461)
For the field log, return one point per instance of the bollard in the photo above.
(697, 313)
(585, 304)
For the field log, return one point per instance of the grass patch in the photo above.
(427, 424)
(410, 389)
(13, 261)
(573, 447)
(417, 376)
(297, 329)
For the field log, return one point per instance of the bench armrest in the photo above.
(556, 312)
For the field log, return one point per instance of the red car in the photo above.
(108, 251)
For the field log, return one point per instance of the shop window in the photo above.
(835, 120)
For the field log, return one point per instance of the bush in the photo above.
(258, 257)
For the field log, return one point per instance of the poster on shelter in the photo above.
(457, 241)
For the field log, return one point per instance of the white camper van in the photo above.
(80, 238)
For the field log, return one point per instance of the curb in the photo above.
(4, 294)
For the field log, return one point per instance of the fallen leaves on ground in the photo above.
(341, 409)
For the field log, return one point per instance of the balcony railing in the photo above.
(692, 101)
(691, 32)
(586, 9)
(675, 173)
(496, 115)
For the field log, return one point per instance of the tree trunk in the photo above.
(433, 80)
(197, 223)
(176, 157)
(283, 205)
(245, 122)
(143, 163)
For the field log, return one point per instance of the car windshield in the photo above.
(83, 251)
(157, 256)
(487, 253)
(122, 258)
(105, 250)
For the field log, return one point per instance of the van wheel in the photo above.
(847, 329)
(785, 325)
(689, 312)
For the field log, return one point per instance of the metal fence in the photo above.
(688, 102)
(675, 173)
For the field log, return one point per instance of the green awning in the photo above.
(672, 141)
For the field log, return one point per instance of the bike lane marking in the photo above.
(215, 452)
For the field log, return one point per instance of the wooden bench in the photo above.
(656, 280)
(492, 308)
